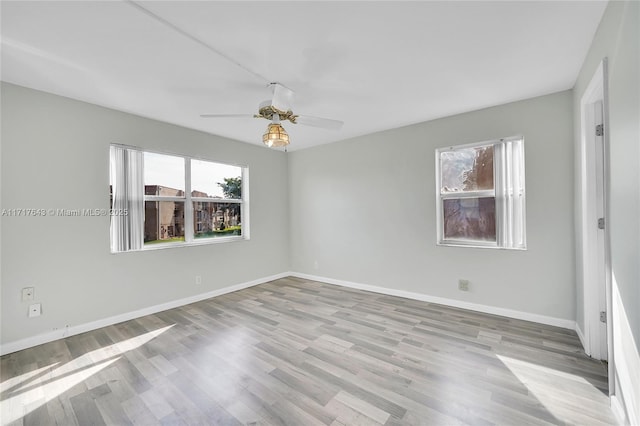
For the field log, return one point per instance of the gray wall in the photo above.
(55, 154)
(364, 211)
(618, 39)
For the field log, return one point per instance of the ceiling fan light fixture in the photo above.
(275, 136)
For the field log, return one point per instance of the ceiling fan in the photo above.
(278, 109)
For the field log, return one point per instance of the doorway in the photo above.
(596, 270)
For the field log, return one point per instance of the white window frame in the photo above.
(509, 193)
(188, 200)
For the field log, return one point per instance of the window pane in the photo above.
(211, 220)
(163, 222)
(470, 219)
(163, 173)
(469, 169)
(215, 180)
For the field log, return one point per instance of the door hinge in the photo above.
(603, 316)
(601, 223)
(599, 130)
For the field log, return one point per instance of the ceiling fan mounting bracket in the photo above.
(268, 112)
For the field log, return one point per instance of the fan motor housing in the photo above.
(267, 111)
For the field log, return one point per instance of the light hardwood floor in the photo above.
(303, 353)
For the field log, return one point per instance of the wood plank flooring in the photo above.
(299, 352)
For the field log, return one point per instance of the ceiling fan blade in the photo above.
(282, 97)
(324, 123)
(226, 115)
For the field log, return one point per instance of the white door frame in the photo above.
(596, 261)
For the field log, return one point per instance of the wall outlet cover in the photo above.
(28, 293)
(35, 310)
(463, 285)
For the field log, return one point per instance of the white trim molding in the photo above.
(580, 334)
(526, 316)
(618, 410)
(39, 339)
(625, 397)
(592, 242)
(82, 328)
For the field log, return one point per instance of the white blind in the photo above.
(127, 185)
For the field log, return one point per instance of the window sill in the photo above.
(476, 245)
(203, 242)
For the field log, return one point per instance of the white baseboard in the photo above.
(542, 319)
(581, 337)
(626, 364)
(93, 325)
(39, 339)
(618, 410)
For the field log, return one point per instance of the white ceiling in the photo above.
(374, 65)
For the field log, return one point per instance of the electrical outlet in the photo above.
(463, 285)
(35, 310)
(315, 265)
(198, 279)
(28, 293)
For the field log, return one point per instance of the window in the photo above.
(160, 200)
(480, 191)
(164, 198)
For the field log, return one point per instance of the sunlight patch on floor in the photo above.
(15, 381)
(562, 394)
(23, 394)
